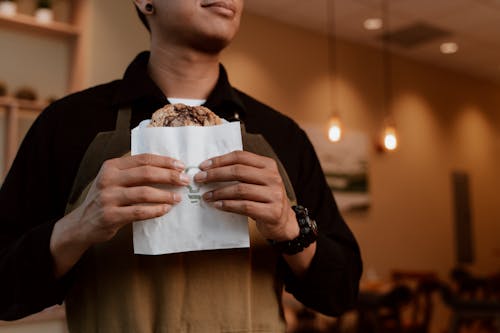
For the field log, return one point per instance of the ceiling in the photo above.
(473, 24)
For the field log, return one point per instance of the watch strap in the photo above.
(307, 236)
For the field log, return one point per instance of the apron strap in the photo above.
(123, 120)
(119, 143)
(105, 145)
(257, 144)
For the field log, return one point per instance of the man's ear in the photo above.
(141, 5)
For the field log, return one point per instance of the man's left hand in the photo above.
(257, 191)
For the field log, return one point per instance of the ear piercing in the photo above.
(149, 8)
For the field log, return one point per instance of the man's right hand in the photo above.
(122, 193)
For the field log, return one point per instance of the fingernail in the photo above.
(206, 164)
(200, 176)
(177, 197)
(207, 196)
(166, 208)
(218, 204)
(184, 178)
(179, 165)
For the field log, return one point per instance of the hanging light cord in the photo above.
(332, 57)
(386, 59)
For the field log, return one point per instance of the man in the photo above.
(65, 236)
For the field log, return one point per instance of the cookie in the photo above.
(176, 115)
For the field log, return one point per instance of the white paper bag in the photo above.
(191, 225)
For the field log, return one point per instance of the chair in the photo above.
(417, 316)
(380, 312)
(406, 308)
(475, 301)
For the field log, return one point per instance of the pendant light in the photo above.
(334, 128)
(334, 123)
(389, 137)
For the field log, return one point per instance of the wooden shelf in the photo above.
(13, 108)
(29, 24)
(74, 36)
(72, 33)
(11, 102)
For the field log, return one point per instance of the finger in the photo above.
(236, 157)
(235, 172)
(240, 191)
(159, 161)
(128, 214)
(252, 209)
(144, 195)
(144, 175)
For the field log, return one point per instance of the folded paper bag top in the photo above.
(191, 225)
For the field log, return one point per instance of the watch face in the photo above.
(314, 226)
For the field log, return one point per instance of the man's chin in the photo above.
(211, 45)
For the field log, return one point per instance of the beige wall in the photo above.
(28, 60)
(116, 36)
(446, 122)
(31, 60)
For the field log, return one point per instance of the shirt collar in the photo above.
(137, 85)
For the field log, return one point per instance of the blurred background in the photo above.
(422, 75)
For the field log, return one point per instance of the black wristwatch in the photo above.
(307, 236)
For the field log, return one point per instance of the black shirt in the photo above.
(36, 190)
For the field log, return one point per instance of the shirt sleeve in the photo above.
(27, 216)
(331, 283)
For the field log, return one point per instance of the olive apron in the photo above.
(232, 290)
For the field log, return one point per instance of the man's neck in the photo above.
(183, 73)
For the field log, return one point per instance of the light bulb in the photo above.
(8, 8)
(448, 48)
(390, 138)
(374, 23)
(334, 129)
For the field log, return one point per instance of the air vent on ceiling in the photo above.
(415, 34)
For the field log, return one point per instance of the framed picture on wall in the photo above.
(345, 165)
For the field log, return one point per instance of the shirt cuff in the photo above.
(330, 285)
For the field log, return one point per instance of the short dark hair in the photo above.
(143, 18)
